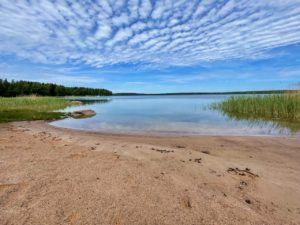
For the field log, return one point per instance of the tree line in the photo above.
(19, 88)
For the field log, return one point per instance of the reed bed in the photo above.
(276, 107)
(31, 108)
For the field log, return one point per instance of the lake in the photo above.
(169, 115)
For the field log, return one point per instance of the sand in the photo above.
(51, 175)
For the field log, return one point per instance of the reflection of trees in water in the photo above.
(92, 101)
(293, 127)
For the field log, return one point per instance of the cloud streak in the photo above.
(160, 33)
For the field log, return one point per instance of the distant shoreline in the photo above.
(207, 93)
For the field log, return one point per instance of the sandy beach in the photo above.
(52, 175)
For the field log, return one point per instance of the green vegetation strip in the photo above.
(20, 88)
(276, 107)
(31, 108)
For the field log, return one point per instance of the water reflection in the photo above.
(180, 115)
(281, 126)
(91, 102)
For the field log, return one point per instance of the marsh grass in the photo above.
(282, 109)
(31, 108)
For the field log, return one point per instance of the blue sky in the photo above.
(152, 46)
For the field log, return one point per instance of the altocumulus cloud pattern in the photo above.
(164, 32)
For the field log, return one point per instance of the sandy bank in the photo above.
(57, 176)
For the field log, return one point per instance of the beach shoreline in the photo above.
(52, 175)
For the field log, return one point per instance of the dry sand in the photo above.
(57, 176)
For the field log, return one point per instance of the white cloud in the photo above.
(158, 10)
(103, 31)
(120, 20)
(145, 9)
(166, 32)
(121, 35)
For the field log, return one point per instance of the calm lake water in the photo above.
(180, 115)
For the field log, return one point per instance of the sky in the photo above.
(152, 46)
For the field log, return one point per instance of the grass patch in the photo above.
(31, 108)
(283, 109)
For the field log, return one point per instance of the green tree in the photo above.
(15, 88)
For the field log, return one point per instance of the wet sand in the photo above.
(52, 175)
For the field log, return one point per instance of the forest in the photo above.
(21, 88)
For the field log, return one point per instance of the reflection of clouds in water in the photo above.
(172, 128)
(184, 115)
